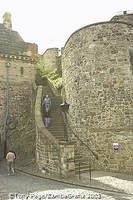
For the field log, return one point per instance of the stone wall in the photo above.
(44, 140)
(12, 43)
(52, 156)
(17, 78)
(98, 85)
(17, 71)
(51, 59)
(21, 124)
(17, 106)
(127, 18)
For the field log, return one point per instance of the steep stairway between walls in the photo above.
(57, 125)
(83, 159)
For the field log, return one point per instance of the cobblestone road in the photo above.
(25, 184)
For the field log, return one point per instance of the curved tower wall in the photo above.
(128, 18)
(98, 83)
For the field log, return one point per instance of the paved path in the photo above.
(124, 185)
(24, 184)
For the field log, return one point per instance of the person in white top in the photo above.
(10, 157)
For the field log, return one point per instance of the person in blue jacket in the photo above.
(47, 103)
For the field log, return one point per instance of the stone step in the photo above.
(56, 127)
(54, 113)
(53, 126)
(82, 163)
(78, 157)
(56, 130)
(61, 138)
(82, 171)
(82, 167)
(56, 135)
(56, 119)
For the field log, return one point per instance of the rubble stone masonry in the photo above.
(97, 72)
(51, 59)
(17, 94)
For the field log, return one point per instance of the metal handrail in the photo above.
(95, 155)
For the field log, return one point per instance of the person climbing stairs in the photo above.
(56, 126)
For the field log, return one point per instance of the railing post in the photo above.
(90, 171)
(79, 171)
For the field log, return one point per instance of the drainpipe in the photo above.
(7, 65)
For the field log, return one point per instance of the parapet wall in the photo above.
(52, 156)
(46, 144)
(98, 85)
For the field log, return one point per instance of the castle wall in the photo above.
(12, 43)
(51, 59)
(18, 70)
(98, 84)
(21, 113)
(17, 92)
(19, 95)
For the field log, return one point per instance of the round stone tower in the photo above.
(97, 68)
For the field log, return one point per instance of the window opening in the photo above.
(22, 70)
(131, 60)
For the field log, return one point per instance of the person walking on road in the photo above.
(10, 157)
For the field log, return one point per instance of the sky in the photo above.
(49, 23)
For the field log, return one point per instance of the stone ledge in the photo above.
(43, 132)
(18, 57)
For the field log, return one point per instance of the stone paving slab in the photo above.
(83, 180)
(26, 185)
(124, 185)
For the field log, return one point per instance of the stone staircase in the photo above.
(57, 129)
(57, 125)
(82, 162)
